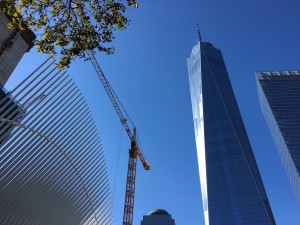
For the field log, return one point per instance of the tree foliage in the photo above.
(69, 27)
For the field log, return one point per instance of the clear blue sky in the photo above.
(149, 74)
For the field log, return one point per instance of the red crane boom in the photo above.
(134, 149)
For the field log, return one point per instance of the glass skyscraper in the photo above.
(231, 185)
(279, 96)
(158, 217)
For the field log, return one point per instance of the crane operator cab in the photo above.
(133, 150)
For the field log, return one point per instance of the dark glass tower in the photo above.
(279, 96)
(232, 189)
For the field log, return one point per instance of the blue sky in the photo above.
(149, 74)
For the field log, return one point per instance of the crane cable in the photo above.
(116, 97)
(121, 106)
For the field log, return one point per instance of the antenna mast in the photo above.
(199, 35)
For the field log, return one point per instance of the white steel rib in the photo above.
(52, 167)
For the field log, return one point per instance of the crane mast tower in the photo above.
(134, 151)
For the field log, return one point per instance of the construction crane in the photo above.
(134, 149)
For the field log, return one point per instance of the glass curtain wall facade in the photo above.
(158, 217)
(231, 185)
(279, 96)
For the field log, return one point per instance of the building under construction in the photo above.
(13, 45)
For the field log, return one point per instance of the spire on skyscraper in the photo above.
(199, 35)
